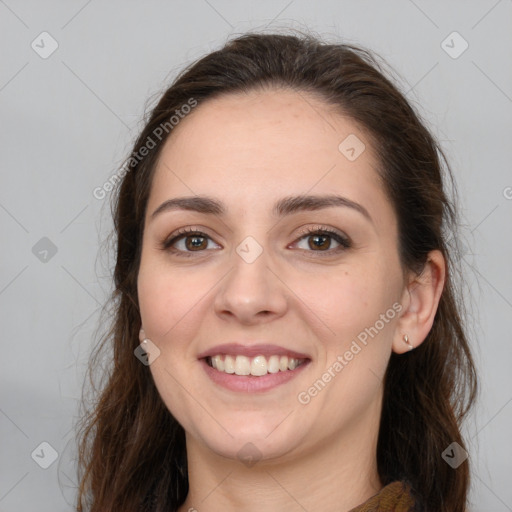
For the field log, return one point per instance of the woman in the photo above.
(287, 332)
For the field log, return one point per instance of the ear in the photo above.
(420, 300)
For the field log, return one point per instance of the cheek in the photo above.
(166, 297)
(356, 309)
(169, 304)
(357, 323)
(345, 302)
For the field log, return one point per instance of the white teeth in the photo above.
(257, 366)
(242, 365)
(273, 364)
(218, 363)
(229, 364)
(292, 364)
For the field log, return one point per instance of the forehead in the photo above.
(264, 145)
(286, 124)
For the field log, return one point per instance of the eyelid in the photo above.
(182, 233)
(342, 239)
(323, 229)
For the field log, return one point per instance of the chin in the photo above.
(249, 449)
(249, 438)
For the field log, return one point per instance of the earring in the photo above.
(406, 340)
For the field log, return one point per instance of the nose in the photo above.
(251, 292)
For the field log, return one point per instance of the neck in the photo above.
(336, 476)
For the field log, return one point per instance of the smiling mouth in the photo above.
(255, 366)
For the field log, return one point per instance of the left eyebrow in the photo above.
(293, 204)
(283, 207)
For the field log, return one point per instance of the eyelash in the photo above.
(344, 242)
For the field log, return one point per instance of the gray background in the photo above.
(68, 121)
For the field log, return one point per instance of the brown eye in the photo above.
(186, 242)
(321, 240)
(195, 242)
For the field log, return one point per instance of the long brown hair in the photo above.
(132, 454)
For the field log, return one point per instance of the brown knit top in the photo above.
(394, 497)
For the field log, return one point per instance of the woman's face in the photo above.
(272, 274)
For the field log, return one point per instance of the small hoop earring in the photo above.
(406, 340)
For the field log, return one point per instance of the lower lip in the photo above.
(251, 383)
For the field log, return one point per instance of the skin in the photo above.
(248, 151)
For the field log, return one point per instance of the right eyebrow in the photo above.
(283, 207)
(200, 204)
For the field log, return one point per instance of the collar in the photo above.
(394, 497)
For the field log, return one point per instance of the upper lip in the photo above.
(238, 349)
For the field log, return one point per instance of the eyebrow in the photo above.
(285, 206)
